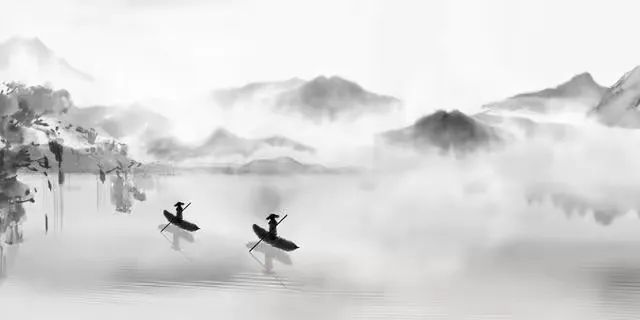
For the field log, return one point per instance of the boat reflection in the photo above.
(271, 254)
(177, 235)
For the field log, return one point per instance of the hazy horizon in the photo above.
(526, 210)
(432, 55)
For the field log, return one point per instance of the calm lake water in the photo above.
(385, 247)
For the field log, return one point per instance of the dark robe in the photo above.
(272, 227)
(179, 213)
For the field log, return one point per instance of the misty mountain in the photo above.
(221, 143)
(619, 105)
(32, 122)
(528, 127)
(318, 99)
(89, 158)
(579, 94)
(286, 166)
(279, 166)
(446, 131)
(605, 211)
(34, 59)
(120, 122)
(330, 98)
(36, 99)
(256, 91)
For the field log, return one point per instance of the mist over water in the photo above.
(369, 124)
(420, 236)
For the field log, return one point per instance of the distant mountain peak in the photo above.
(221, 133)
(619, 106)
(578, 82)
(280, 165)
(334, 79)
(578, 94)
(335, 82)
(319, 98)
(253, 86)
(33, 43)
(223, 143)
(442, 115)
(445, 130)
(585, 76)
(574, 87)
(44, 58)
(628, 79)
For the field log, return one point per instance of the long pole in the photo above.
(185, 208)
(254, 246)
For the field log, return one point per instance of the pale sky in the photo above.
(432, 54)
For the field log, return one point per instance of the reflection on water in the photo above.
(124, 191)
(13, 234)
(604, 211)
(3, 264)
(9, 250)
(177, 235)
(384, 259)
(620, 291)
(13, 194)
(270, 255)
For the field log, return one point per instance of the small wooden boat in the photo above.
(184, 224)
(277, 242)
(178, 232)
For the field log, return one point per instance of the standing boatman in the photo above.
(273, 223)
(179, 210)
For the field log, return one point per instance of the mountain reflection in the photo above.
(124, 191)
(604, 212)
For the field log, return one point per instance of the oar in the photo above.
(263, 238)
(185, 208)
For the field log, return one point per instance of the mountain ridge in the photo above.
(318, 99)
(447, 131)
(619, 105)
(578, 94)
(221, 142)
(44, 57)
